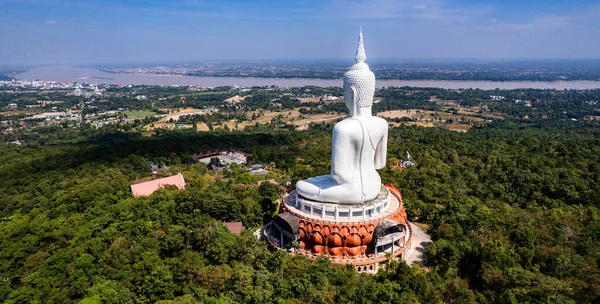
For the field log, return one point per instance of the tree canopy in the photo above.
(512, 208)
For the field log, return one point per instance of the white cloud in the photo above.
(544, 22)
(439, 10)
(50, 21)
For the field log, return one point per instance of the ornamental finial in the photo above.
(361, 56)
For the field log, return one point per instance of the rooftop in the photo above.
(234, 227)
(147, 188)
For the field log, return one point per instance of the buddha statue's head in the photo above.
(359, 81)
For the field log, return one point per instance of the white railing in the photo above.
(342, 212)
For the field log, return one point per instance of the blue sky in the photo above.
(96, 31)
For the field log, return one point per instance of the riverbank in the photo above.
(73, 74)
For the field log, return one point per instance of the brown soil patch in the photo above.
(396, 113)
(202, 127)
(176, 115)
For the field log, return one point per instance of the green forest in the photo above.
(512, 207)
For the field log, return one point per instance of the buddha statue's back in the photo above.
(359, 144)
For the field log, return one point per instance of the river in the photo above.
(73, 74)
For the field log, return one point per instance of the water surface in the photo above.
(73, 74)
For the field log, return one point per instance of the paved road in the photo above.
(420, 240)
(259, 233)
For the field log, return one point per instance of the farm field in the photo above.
(451, 116)
(181, 112)
(139, 114)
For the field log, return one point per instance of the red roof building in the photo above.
(234, 227)
(147, 188)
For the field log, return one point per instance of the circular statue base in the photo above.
(363, 235)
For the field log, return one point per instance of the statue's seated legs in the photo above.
(325, 189)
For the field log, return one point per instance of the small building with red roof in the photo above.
(147, 188)
(234, 227)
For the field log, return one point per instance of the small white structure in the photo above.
(408, 162)
(51, 115)
(258, 170)
(227, 157)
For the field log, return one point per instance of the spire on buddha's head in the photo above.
(359, 81)
(361, 56)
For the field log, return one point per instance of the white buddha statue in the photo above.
(359, 144)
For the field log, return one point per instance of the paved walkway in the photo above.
(420, 240)
(260, 232)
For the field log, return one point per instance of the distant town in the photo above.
(537, 70)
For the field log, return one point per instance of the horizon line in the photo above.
(377, 60)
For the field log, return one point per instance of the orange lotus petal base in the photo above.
(344, 241)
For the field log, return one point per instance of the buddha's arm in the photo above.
(380, 153)
(342, 155)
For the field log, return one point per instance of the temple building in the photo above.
(348, 216)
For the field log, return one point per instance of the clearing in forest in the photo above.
(176, 114)
(139, 114)
(396, 113)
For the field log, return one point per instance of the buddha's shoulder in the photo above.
(351, 124)
(347, 125)
(380, 121)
